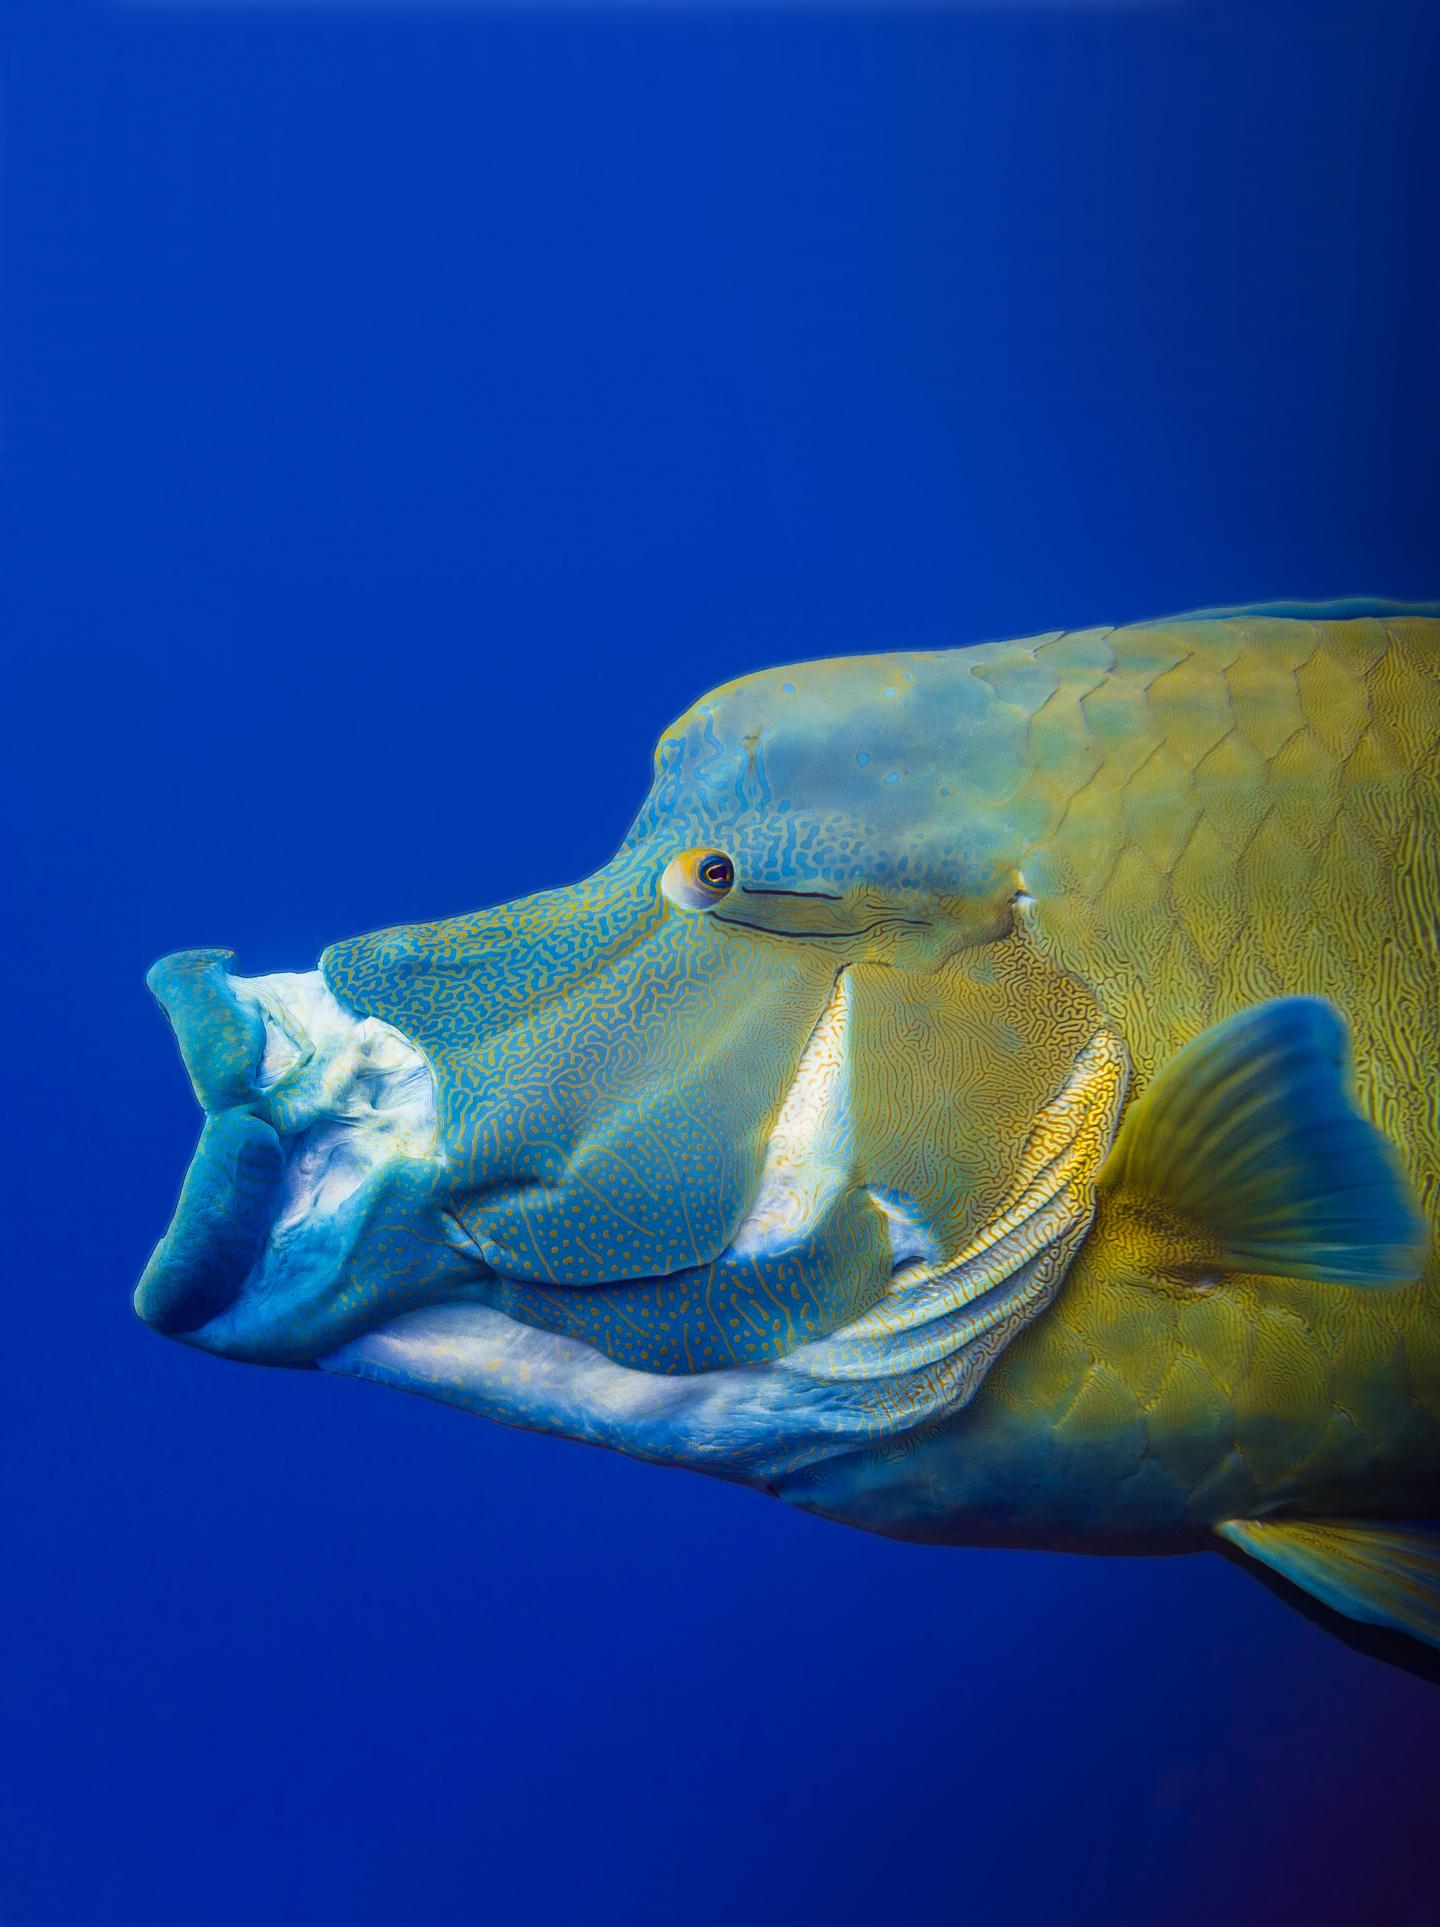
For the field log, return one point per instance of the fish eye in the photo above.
(698, 879)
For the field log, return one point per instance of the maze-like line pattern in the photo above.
(1002, 847)
(1294, 850)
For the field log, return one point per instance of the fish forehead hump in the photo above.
(895, 769)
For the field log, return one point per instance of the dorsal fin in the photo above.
(1337, 609)
(1250, 1136)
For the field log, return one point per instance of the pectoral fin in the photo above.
(1381, 1572)
(1250, 1137)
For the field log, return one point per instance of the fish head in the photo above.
(694, 1110)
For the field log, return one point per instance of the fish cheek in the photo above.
(616, 1134)
(952, 1066)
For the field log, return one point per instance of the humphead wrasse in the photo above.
(992, 1097)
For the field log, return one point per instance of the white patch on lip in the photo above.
(346, 1093)
(808, 1158)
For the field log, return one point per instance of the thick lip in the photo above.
(229, 1197)
(320, 1122)
(221, 1040)
(227, 1205)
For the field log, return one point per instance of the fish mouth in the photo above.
(320, 1203)
(306, 1107)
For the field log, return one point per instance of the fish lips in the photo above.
(227, 1206)
(318, 1145)
(231, 1192)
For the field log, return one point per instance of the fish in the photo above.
(991, 1098)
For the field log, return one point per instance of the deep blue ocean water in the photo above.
(405, 413)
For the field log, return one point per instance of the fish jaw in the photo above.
(322, 1202)
(912, 1360)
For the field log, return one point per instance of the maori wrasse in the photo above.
(992, 1097)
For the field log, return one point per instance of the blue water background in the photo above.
(405, 414)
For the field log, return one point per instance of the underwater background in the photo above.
(406, 412)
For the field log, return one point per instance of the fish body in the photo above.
(990, 1098)
(1223, 813)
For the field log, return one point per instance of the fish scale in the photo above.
(1271, 1345)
